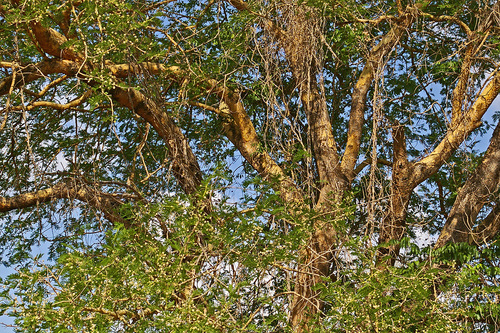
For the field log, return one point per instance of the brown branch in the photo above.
(240, 131)
(368, 162)
(239, 5)
(447, 18)
(472, 197)
(377, 21)
(123, 315)
(471, 120)
(393, 224)
(39, 70)
(488, 229)
(184, 163)
(207, 107)
(7, 64)
(458, 95)
(150, 68)
(360, 92)
(69, 189)
(51, 42)
(60, 107)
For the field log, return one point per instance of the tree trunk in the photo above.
(393, 226)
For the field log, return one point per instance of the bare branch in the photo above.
(240, 130)
(39, 70)
(184, 163)
(360, 92)
(51, 42)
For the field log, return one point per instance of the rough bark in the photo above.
(470, 121)
(393, 225)
(476, 192)
(335, 173)
(335, 176)
(419, 171)
(300, 48)
(301, 43)
(184, 164)
(239, 129)
(374, 60)
(489, 228)
(464, 122)
(108, 204)
(29, 73)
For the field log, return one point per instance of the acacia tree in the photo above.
(127, 125)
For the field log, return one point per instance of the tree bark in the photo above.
(476, 192)
(69, 189)
(393, 226)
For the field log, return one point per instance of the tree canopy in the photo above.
(250, 166)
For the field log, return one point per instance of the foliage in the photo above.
(139, 281)
(185, 165)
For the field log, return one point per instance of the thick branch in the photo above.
(184, 163)
(458, 96)
(51, 42)
(393, 225)
(473, 196)
(107, 204)
(150, 68)
(238, 127)
(360, 92)
(488, 229)
(240, 130)
(458, 133)
(34, 72)
(239, 5)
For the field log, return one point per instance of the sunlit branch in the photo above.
(447, 18)
(457, 134)
(39, 70)
(359, 95)
(42, 92)
(56, 106)
(69, 189)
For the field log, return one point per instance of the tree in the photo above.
(127, 126)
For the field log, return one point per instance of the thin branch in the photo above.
(60, 107)
(52, 84)
(368, 161)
